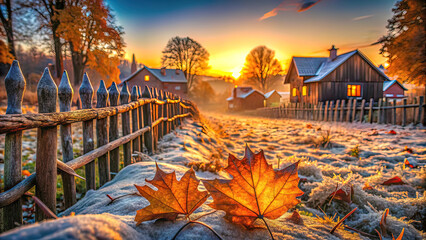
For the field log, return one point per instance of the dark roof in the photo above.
(244, 92)
(269, 94)
(387, 84)
(319, 68)
(170, 76)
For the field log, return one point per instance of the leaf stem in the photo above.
(267, 226)
(125, 195)
(205, 215)
(341, 221)
(197, 222)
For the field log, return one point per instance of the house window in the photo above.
(177, 88)
(354, 90)
(294, 92)
(304, 90)
(146, 78)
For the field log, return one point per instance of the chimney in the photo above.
(177, 71)
(133, 67)
(163, 71)
(333, 53)
(234, 92)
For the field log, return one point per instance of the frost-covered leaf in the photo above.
(393, 181)
(172, 198)
(256, 190)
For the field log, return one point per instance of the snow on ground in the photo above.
(206, 146)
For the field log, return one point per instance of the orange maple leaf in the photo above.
(256, 190)
(172, 198)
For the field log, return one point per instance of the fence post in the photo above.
(135, 118)
(86, 96)
(331, 107)
(349, 108)
(361, 116)
(114, 155)
(354, 110)
(147, 117)
(379, 111)
(320, 115)
(342, 110)
(160, 115)
(102, 134)
(46, 156)
(325, 118)
(404, 113)
(384, 111)
(140, 110)
(336, 111)
(370, 111)
(420, 114)
(65, 94)
(394, 112)
(15, 87)
(164, 114)
(125, 125)
(154, 118)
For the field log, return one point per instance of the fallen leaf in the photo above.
(392, 132)
(344, 193)
(367, 186)
(400, 235)
(172, 198)
(256, 190)
(407, 149)
(308, 126)
(394, 181)
(411, 163)
(295, 218)
(26, 173)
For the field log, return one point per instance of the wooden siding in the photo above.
(395, 90)
(274, 100)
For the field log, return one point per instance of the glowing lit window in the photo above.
(146, 78)
(304, 90)
(294, 92)
(354, 90)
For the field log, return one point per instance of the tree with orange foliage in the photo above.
(261, 67)
(404, 44)
(95, 40)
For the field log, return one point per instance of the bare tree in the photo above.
(6, 16)
(187, 55)
(261, 67)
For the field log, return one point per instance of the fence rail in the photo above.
(146, 116)
(385, 111)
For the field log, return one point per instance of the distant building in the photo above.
(393, 89)
(272, 99)
(245, 98)
(346, 76)
(171, 80)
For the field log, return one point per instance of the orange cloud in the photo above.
(290, 5)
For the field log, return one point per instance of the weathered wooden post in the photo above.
(47, 147)
(384, 110)
(102, 135)
(15, 87)
(65, 94)
(114, 155)
(325, 118)
(394, 112)
(361, 114)
(160, 115)
(320, 116)
(86, 97)
(125, 125)
(348, 113)
(147, 117)
(154, 118)
(165, 111)
(336, 111)
(379, 111)
(354, 110)
(331, 107)
(404, 112)
(141, 144)
(420, 114)
(370, 111)
(342, 110)
(135, 119)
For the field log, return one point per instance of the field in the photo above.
(342, 167)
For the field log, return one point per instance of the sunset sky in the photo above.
(229, 29)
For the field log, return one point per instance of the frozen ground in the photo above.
(206, 146)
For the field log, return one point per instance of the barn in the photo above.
(393, 89)
(273, 99)
(346, 76)
(245, 98)
(171, 80)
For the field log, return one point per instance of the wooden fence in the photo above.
(352, 110)
(145, 117)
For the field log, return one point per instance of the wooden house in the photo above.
(171, 80)
(393, 89)
(245, 98)
(346, 76)
(272, 99)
